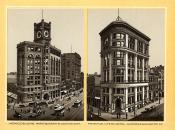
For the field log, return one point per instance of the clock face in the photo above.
(38, 34)
(46, 33)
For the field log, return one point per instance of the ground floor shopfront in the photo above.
(124, 97)
(39, 93)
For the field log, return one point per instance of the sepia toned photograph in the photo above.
(126, 65)
(44, 64)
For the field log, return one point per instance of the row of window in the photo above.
(118, 43)
(118, 54)
(131, 43)
(36, 82)
(117, 71)
(33, 89)
(118, 36)
(52, 87)
(118, 90)
(32, 96)
(118, 75)
(33, 49)
(118, 79)
(118, 62)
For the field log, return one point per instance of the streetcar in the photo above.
(77, 103)
(59, 111)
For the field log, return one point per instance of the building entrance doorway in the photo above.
(46, 96)
(118, 107)
(118, 103)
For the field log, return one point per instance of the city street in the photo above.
(155, 115)
(47, 113)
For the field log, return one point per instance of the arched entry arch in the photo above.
(46, 96)
(118, 103)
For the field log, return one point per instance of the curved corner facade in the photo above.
(124, 68)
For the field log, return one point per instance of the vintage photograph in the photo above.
(126, 63)
(44, 70)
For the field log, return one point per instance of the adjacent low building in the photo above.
(71, 70)
(93, 90)
(156, 83)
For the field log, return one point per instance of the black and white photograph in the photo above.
(126, 63)
(44, 64)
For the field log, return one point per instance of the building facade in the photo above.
(124, 67)
(153, 85)
(156, 83)
(38, 66)
(93, 90)
(71, 69)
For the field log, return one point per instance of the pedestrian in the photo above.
(126, 115)
(91, 116)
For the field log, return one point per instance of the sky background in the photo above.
(66, 30)
(149, 21)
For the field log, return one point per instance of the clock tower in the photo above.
(42, 32)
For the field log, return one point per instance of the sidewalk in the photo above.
(130, 115)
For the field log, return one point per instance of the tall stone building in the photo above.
(124, 67)
(71, 68)
(38, 66)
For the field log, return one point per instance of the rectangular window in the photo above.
(114, 35)
(118, 54)
(28, 48)
(106, 41)
(118, 62)
(118, 36)
(113, 90)
(122, 36)
(118, 44)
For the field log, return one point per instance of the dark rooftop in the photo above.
(120, 22)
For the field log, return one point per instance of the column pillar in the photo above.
(126, 59)
(126, 40)
(136, 44)
(102, 70)
(135, 70)
(126, 67)
(55, 66)
(101, 96)
(143, 94)
(126, 99)
(110, 99)
(106, 75)
(143, 66)
(143, 48)
(111, 39)
(147, 92)
(105, 100)
(110, 68)
(135, 91)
